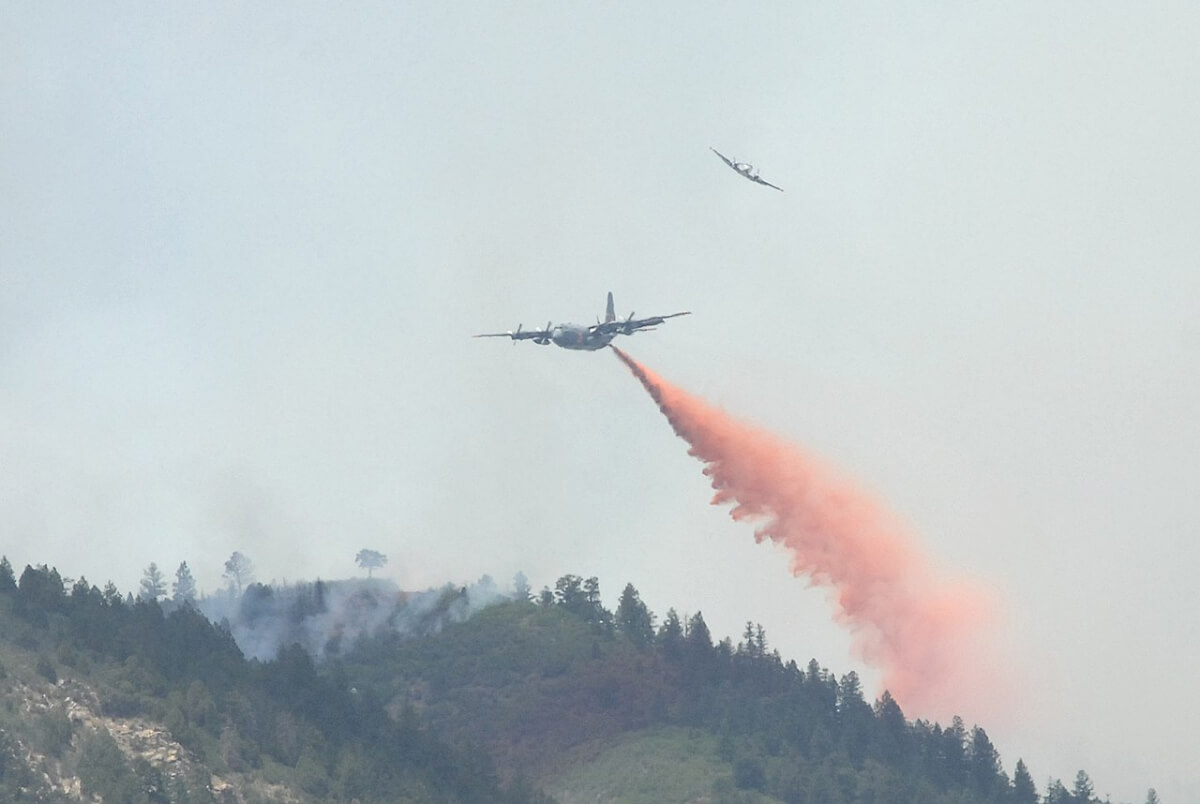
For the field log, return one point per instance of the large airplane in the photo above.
(744, 169)
(588, 338)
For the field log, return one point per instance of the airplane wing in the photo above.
(631, 325)
(516, 336)
(724, 158)
(746, 172)
(541, 336)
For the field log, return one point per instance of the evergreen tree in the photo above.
(183, 591)
(521, 589)
(154, 585)
(949, 749)
(634, 620)
(18, 782)
(850, 692)
(984, 762)
(8, 580)
(1082, 792)
(1024, 791)
(568, 593)
(238, 571)
(747, 646)
(595, 611)
(892, 735)
(670, 636)
(40, 592)
(103, 770)
(1056, 793)
(856, 717)
(591, 591)
(698, 639)
(370, 560)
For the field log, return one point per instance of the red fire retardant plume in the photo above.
(926, 637)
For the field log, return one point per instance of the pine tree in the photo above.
(521, 589)
(760, 640)
(1056, 793)
(954, 753)
(183, 591)
(238, 571)
(746, 646)
(984, 762)
(154, 585)
(850, 692)
(891, 737)
(370, 560)
(595, 612)
(634, 620)
(1024, 791)
(670, 636)
(568, 593)
(8, 579)
(698, 637)
(1082, 793)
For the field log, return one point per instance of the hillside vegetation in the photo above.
(553, 698)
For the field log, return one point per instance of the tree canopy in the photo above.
(370, 560)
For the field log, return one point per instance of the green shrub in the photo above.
(52, 732)
(103, 770)
(46, 670)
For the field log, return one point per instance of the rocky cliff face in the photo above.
(42, 710)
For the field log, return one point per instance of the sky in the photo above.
(243, 248)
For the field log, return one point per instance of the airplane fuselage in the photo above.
(574, 336)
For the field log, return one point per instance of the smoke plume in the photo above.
(925, 636)
(327, 618)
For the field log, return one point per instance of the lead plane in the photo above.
(744, 169)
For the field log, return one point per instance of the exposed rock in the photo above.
(137, 737)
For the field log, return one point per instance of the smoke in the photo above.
(928, 638)
(327, 618)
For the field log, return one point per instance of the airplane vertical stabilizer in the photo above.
(609, 313)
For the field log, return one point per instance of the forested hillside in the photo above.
(241, 730)
(533, 698)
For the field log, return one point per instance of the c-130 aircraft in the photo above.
(587, 338)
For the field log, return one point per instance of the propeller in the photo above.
(546, 340)
(628, 330)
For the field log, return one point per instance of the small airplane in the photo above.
(587, 338)
(744, 169)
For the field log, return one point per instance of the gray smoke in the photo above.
(327, 618)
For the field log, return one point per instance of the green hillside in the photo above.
(367, 693)
(668, 763)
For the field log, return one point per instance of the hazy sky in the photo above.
(242, 250)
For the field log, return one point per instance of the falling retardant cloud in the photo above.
(934, 642)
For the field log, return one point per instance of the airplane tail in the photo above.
(609, 313)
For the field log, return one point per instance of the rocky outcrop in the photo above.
(137, 737)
